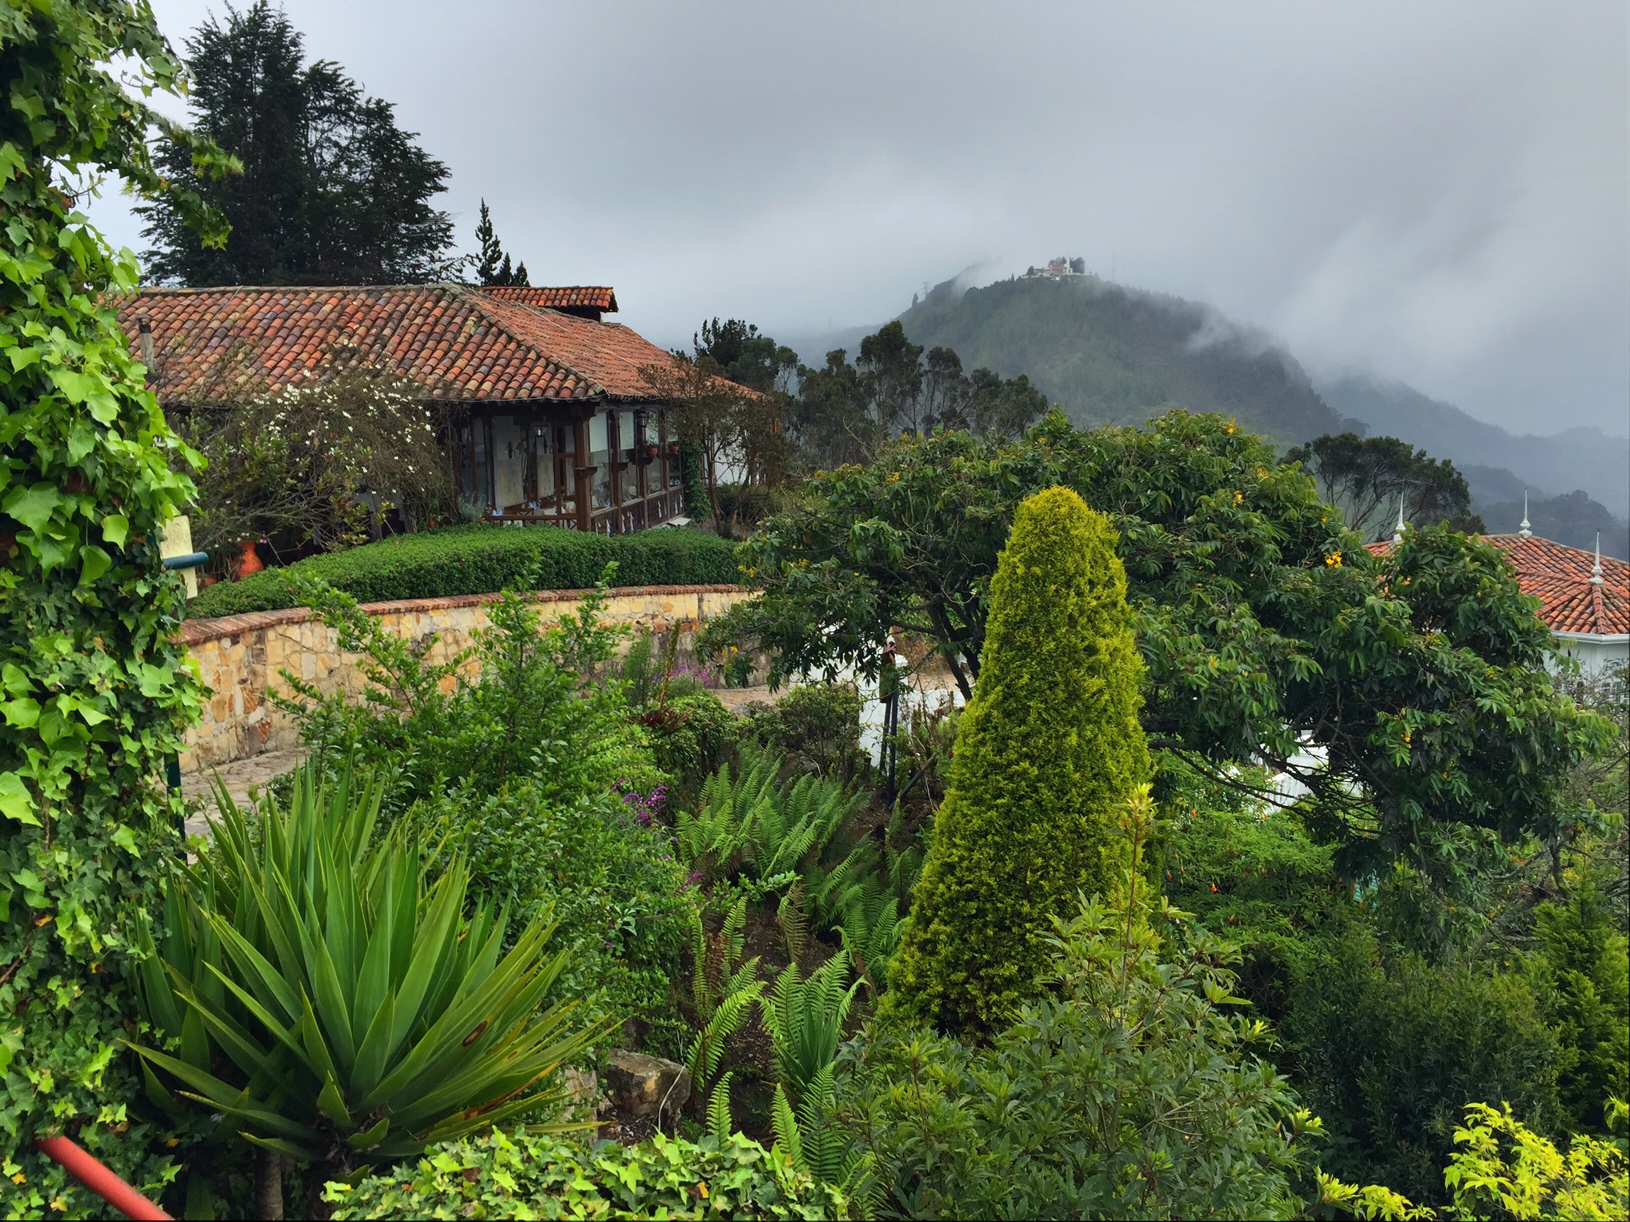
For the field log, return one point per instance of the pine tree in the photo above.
(494, 266)
(332, 190)
(1047, 755)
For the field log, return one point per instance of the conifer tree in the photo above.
(1047, 755)
(494, 266)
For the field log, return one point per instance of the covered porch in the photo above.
(594, 466)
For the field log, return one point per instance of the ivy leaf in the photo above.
(22, 712)
(116, 529)
(96, 561)
(15, 800)
(34, 506)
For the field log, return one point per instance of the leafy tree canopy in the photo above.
(1373, 479)
(493, 267)
(1265, 626)
(846, 412)
(332, 191)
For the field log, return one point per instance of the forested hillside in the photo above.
(1108, 353)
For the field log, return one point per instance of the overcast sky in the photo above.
(1436, 192)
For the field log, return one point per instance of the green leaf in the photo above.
(95, 563)
(116, 529)
(16, 802)
(34, 506)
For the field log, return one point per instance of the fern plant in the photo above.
(820, 1146)
(724, 989)
(749, 823)
(805, 1020)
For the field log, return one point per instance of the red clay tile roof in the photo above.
(557, 298)
(1559, 576)
(216, 345)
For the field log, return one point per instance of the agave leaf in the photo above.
(267, 981)
(331, 1103)
(370, 1138)
(330, 999)
(374, 977)
(429, 951)
(376, 1049)
(285, 1035)
(217, 1093)
(291, 1149)
(315, 1045)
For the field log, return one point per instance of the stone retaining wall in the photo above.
(240, 656)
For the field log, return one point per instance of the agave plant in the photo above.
(334, 1002)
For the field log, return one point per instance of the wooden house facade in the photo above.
(549, 418)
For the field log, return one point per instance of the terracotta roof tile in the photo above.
(557, 298)
(1559, 576)
(458, 344)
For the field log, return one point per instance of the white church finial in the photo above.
(1523, 531)
(1398, 531)
(1596, 569)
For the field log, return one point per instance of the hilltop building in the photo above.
(549, 419)
(1057, 269)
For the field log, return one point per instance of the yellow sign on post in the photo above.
(176, 540)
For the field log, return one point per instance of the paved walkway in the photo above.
(239, 777)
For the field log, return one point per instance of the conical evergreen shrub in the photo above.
(1047, 755)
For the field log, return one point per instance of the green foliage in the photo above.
(749, 824)
(805, 1021)
(1508, 1171)
(1388, 1048)
(1130, 1090)
(1264, 625)
(724, 990)
(694, 738)
(536, 710)
(527, 1176)
(293, 465)
(1048, 752)
(1373, 478)
(610, 877)
(332, 192)
(845, 413)
(493, 267)
(483, 559)
(318, 989)
(817, 725)
(1580, 974)
(96, 695)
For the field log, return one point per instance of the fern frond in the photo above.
(735, 930)
(785, 1127)
(793, 921)
(718, 1110)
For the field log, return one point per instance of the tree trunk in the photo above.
(269, 1185)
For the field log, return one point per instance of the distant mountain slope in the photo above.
(1580, 458)
(1107, 353)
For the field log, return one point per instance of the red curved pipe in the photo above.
(79, 1164)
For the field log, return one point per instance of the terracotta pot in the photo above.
(249, 560)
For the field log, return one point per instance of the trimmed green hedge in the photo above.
(483, 559)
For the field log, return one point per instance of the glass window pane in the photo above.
(628, 441)
(483, 467)
(600, 458)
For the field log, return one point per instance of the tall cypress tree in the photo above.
(1047, 755)
(332, 191)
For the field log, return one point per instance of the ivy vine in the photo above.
(94, 692)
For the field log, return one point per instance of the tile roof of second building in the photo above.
(558, 297)
(1559, 576)
(216, 345)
